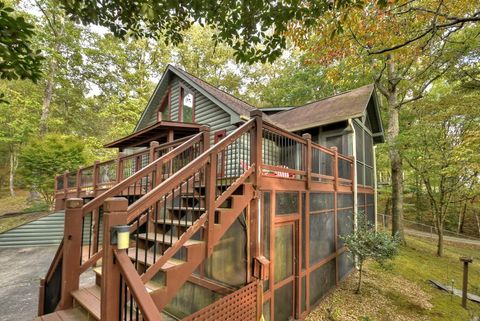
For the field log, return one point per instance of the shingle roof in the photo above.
(237, 105)
(343, 106)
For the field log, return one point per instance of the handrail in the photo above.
(137, 289)
(97, 201)
(151, 197)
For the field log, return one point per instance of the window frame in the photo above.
(165, 103)
(184, 91)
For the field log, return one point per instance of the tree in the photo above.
(441, 145)
(402, 74)
(41, 160)
(17, 58)
(366, 243)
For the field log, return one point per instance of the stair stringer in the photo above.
(196, 253)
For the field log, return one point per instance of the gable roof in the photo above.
(232, 105)
(350, 104)
(230, 101)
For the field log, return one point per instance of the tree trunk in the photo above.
(440, 239)
(477, 219)
(461, 218)
(47, 98)
(396, 164)
(360, 271)
(13, 169)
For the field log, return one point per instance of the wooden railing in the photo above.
(286, 155)
(90, 181)
(207, 172)
(133, 187)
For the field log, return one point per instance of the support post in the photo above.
(115, 213)
(72, 239)
(210, 189)
(119, 162)
(308, 159)
(96, 176)
(205, 130)
(254, 208)
(335, 167)
(256, 147)
(466, 261)
(65, 184)
(79, 185)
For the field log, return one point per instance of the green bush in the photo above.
(366, 243)
(41, 159)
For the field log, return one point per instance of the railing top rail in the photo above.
(97, 201)
(323, 149)
(283, 132)
(106, 162)
(151, 197)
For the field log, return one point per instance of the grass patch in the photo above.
(15, 211)
(403, 293)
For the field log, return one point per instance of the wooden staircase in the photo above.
(174, 227)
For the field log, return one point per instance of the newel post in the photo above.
(115, 213)
(72, 243)
(205, 130)
(152, 156)
(308, 159)
(335, 167)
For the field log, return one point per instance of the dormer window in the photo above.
(164, 109)
(187, 105)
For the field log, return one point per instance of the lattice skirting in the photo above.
(240, 305)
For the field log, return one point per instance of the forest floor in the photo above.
(15, 211)
(403, 292)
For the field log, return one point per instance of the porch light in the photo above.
(120, 236)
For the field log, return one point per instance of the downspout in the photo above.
(354, 182)
(375, 191)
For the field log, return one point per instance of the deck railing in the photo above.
(91, 181)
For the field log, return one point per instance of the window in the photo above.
(219, 135)
(187, 102)
(164, 108)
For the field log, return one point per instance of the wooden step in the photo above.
(170, 240)
(89, 299)
(150, 286)
(171, 263)
(175, 222)
(75, 314)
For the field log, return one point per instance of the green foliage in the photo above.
(41, 159)
(367, 244)
(17, 58)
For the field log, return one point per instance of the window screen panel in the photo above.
(321, 281)
(322, 242)
(283, 252)
(321, 201)
(284, 303)
(344, 224)
(286, 203)
(345, 264)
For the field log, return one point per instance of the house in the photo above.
(215, 209)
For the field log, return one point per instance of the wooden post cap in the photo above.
(204, 128)
(466, 259)
(154, 143)
(334, 148)
(74, 203)
(115, 204)
(256, 113)
(307, 136)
